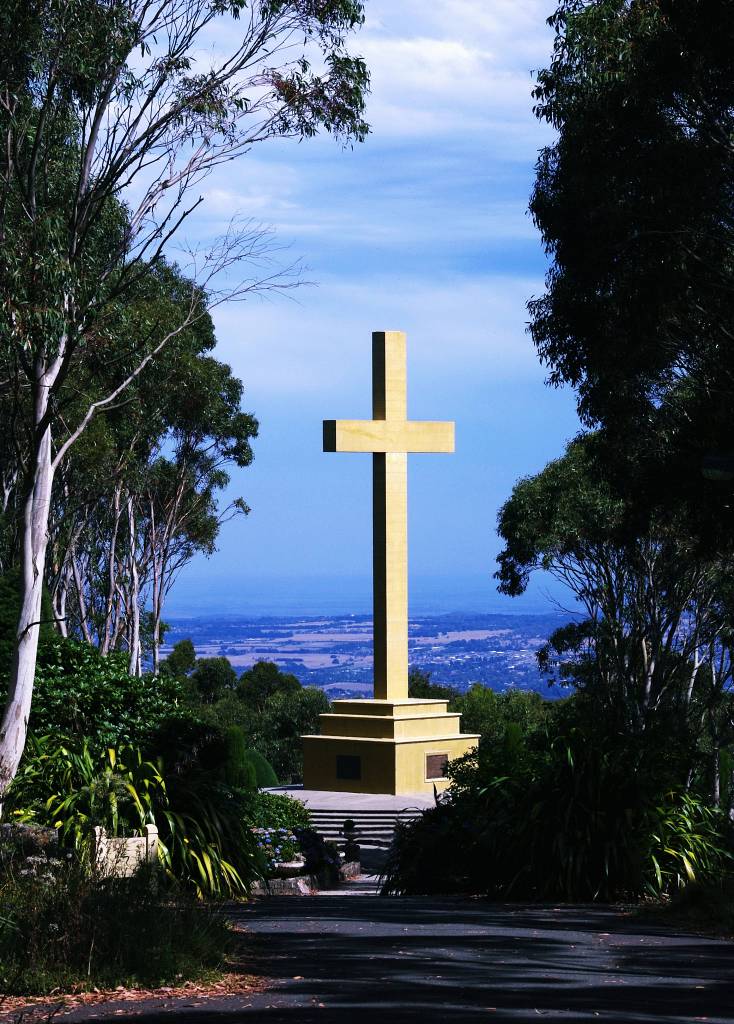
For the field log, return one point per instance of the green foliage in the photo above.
(420, 685)
(561, 514)
(80, 306)
(697, 908)
(181, 660)
(203, 840)
(443, 830)
(70, 789)
(275, 810)
(239, 771)
(491, 714)
(263, 771)
(277, 731)
(655, 612)
(564, 812)
(78, 692)
(212, 677)
(66, 928)
(274, 711)
(271, 709)
(690, 842)
(261, 682)
(634, 203)
(9, 614)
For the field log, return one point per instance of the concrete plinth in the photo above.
(384, 746)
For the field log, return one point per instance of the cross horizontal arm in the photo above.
(388, 436)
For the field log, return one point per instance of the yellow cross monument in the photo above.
(389, 744)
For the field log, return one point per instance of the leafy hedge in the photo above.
(565, 817)
(275, 810)
(78, 692)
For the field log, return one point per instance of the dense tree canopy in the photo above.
(650, 647)
(635, 202)
(261, 682)
(111, 114)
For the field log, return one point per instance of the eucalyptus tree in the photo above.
(131, 101)
(635, 203)
(654, 618)
(137, 497)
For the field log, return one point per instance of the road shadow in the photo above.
(350, 960)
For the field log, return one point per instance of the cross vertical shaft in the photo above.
(390, 521)
(389, 436)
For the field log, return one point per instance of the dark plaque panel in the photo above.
(436, 766)
(348, 767)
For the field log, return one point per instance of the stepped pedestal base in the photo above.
(384, 746)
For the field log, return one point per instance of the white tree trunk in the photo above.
(60, 596)
(134, 666)
(107, 640)
(14, 725)
(81, 599)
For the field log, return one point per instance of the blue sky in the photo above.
(423, 228)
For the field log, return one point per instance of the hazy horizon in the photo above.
(199, 593)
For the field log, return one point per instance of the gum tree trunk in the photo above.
(134, 611)
(14, 725)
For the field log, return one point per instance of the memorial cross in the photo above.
(389, 436)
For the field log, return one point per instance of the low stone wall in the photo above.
(304, 885)
(121, 858)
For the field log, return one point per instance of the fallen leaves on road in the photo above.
(44, 1007)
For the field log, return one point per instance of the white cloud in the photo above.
(455, 66)
(458, 330)
(447, 163)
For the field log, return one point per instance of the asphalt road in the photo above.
(354, 960)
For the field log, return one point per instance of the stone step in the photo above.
(361, 830)
(332, 812)
(359, 823)
(373, 829)
(364, 816)
(360, 833)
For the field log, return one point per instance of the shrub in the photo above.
(275, 810)
(264, 773)
(689, 842)
(277, 845)
(66, 927)
(64, 786)
(431, 855)
(204, 840)
(205, 836)
(564, 815)
(81, 693)
(707, 907)
(280, 821)
(238, 768)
